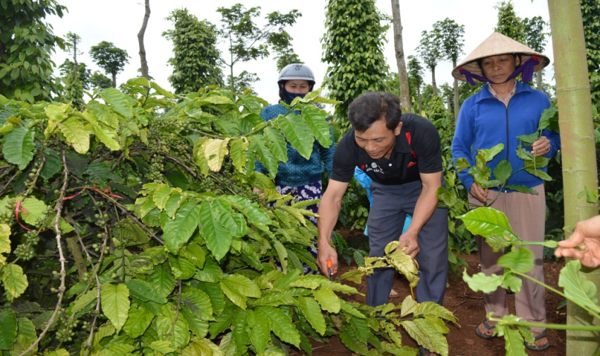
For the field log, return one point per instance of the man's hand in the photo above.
(584, 244)
(410, 241)
(326, 252)
(479, 193)
(540, 147)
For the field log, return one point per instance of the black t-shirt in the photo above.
(417, 150)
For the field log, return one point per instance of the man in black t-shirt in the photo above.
(402, 154)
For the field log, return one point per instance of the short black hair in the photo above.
(374, 106)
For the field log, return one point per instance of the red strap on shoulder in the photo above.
(409, 139)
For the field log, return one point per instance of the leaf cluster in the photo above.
(146, 236)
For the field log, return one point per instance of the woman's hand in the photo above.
(541, 147)
(479, 193)
(584, 244)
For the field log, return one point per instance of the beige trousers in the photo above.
(526, 214)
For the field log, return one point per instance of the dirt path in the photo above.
(467, 306)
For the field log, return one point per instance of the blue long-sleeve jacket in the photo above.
(484, 122)
(298, 170)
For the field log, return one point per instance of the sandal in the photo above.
(485, 335)
(534, 347)
(423, 351)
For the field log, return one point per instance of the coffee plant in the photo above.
(131, 227)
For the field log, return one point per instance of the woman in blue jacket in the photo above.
(502, 110)
(299, 176)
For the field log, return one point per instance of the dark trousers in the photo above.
(391, 203)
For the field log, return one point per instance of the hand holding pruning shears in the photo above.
(329, 265)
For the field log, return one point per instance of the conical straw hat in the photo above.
(495, 45)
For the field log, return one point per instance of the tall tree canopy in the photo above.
(196, 57)
(535, 35)
(430, 51)
(509, 24)
(415, 78)
(110, 58)
(353, 50)
(72, 78)
(590, 13)
(26, 44)
(247, 41)
(453, 41)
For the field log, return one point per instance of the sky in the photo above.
(119, 21)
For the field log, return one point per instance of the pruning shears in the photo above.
(329, 267)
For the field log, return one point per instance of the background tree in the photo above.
(196, 57)
(534, 33)
(285, 55)
(353, 51)
(452, 38)
(509, 24)
(579, 165)
(447, 94)
(109, 58)
(140, 36)
(28, 75)
(246, 41)
(100, 81)
(399, 47)
(415, 78)
(72, 80)
(590, 12)
(430, 51)
(84, 73)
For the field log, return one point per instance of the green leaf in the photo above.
(162, 346)
(513, 343)
(197, 326)
(409, 306)
(117, 100)
(522, 189)
(492, 224)
(161, 195)
(194, 253)
(17, 146)
(144, 291)
(103, 113)
(284, 328)
(215, 151)
(260, 330)
(503, 171)
(14, 280)
(349, 309)
(529, 139)
(4, 243)
(250, 209)
(162, 280)
(218, 239)
(115, 303)
(179, 230)
(211, 272)
(138, 321)
(198, 348)
(76, 134)
(182, 268)
(577, 287)
(36, 209)
(537, 172)
(297, 133)
(237, 287)
(426, 335)
(164, 324)
(82, 302)
(264, 155)
(162, 91)
(106, 135)
(276, 143)
(481, 282)
(59, 352)
(237, 149)
(52, 165)
(238, 329)
(361, 329)
(317, 122)
(435, 310)
(8, 329)
(512, 282)
(490, 153)
(312, 312)
(26, 336)
(549, 119)
(520, 260)
(199, 303)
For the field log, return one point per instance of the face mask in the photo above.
(289, 97)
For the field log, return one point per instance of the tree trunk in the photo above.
(419, 100)
(456, 106)
(578, 145)
(402, 75)
(114, 75)
(141, 40)
(538, 77)
(435, 89)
